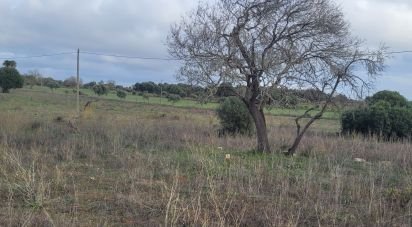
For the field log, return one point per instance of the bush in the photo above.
(52, 84)
(401, 122)
(10, 78)
(234, 117)
(100, 89)
(384, 118)
(121, 94)
(173, 98)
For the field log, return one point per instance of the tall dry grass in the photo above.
(170, 169)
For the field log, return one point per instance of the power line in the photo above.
(399, 52)
(135, 57)
(129, 57)
(37, 56)
(175, 59)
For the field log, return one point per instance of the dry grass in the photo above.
(151, 165)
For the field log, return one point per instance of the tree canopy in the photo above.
(9, 64)
(9, 77)
(391, 97)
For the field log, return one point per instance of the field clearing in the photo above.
(184, 103)
(41, 102)
(126, 163)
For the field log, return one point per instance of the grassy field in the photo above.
(185, 103)
(131, 163)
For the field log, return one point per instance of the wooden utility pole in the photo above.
(78, 84)
(161, 93)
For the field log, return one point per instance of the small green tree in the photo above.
(9, 77)
(100, 89)
(121, 94)
(234, 117)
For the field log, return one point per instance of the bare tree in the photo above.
(334, 75)
(260, 45)
(38, 77)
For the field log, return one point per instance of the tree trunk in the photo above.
(260, 124)
(300, 134)
(294, 147)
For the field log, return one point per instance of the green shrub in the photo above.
(173, 98)
(401, 122)
(384, 118)
(52, 84)
(100, 89)
(234, 117)
(121, 94)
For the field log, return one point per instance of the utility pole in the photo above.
(161, 92)
(78, 84)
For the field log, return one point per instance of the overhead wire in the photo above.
(399, 52)
(129, 57)
(133, 57)
(36, 56)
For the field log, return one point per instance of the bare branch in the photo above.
(264, 44)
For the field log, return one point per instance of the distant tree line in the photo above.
(182, 90)
(279, 97)
(292, 97)
(284, 97)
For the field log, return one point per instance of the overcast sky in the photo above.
(140, 27)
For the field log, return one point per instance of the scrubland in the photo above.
(136, 164)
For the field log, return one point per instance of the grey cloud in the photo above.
(381, 21)
(140, 27)
(131, 27)
(128, 27)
